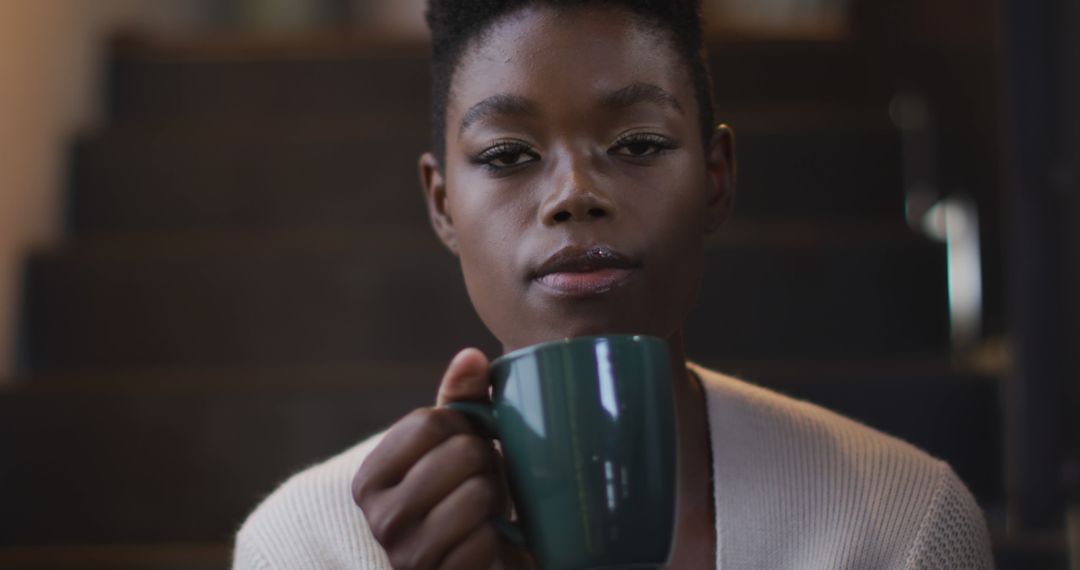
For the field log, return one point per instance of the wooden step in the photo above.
(158, 556)
(360, 171)
(777, 70)
(827, 174)
(300, 179)
(186, 79)
(203, 76)
(169, 459)
(222, 297)
(1018, 550)
(821, 292)
(264, 298)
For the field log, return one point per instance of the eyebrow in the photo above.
(640, 93)
(501, 104)
(507, 104)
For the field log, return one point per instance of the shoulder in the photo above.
(748, 410)
(953, 531)
(310, 521)
(838, 491)
(741, 413)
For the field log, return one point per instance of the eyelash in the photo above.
(505, 149)
(659, 142)
(514, 149)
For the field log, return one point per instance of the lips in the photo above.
(584, 270)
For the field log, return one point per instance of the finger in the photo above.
(411, 437)
(513, 557)
(404, 444)
(479, 549)
(439, 473)
(452, 521)
(466, 379)
(506, 501)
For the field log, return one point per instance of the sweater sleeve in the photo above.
(248, 556)
(953, 533)
(308, 525)
(311, 523)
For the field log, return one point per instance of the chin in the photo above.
(574, 328)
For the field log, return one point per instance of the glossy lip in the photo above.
(578, 270)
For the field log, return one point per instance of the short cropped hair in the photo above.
(455, 23)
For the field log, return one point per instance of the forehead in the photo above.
(539, 51)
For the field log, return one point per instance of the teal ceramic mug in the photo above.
(587, 427)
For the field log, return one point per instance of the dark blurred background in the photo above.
(216, 269)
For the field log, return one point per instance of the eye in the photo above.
(641, 145)
(503, 155)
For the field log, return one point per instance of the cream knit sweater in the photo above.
(796, 487)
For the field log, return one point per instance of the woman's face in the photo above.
(576, 189)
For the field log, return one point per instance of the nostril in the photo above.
(597, 213)
(562, 216)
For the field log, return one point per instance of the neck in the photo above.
(677, 358)
(695, 534)
(689, 397)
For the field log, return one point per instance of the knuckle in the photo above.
(486, 542)
(418, 414)
(418, 419)
(361, 489)
(480, 550)
(401, 559)
(421, 557)
(472, 451)
(488, 539)
(480, 491)
(384, 523)
(380, 527)
(436, 425)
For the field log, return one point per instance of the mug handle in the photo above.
(483, 417)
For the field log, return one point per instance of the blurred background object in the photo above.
(214, 255)
(780, 19)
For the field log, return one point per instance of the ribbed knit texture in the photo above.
(311, 523)
(796, 487)
(949, 538)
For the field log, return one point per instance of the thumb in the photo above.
(465, 379)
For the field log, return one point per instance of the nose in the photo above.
(576, 198)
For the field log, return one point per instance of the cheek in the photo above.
(675, 229)
(486, 227)
(672, 217)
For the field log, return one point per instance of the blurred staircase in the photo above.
(250, 286)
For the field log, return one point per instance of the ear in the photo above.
(434, 185)
(720, 182)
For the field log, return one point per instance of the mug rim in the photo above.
(562, 342)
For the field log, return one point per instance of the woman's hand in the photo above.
(431, 486)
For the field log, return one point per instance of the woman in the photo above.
(575, 174)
